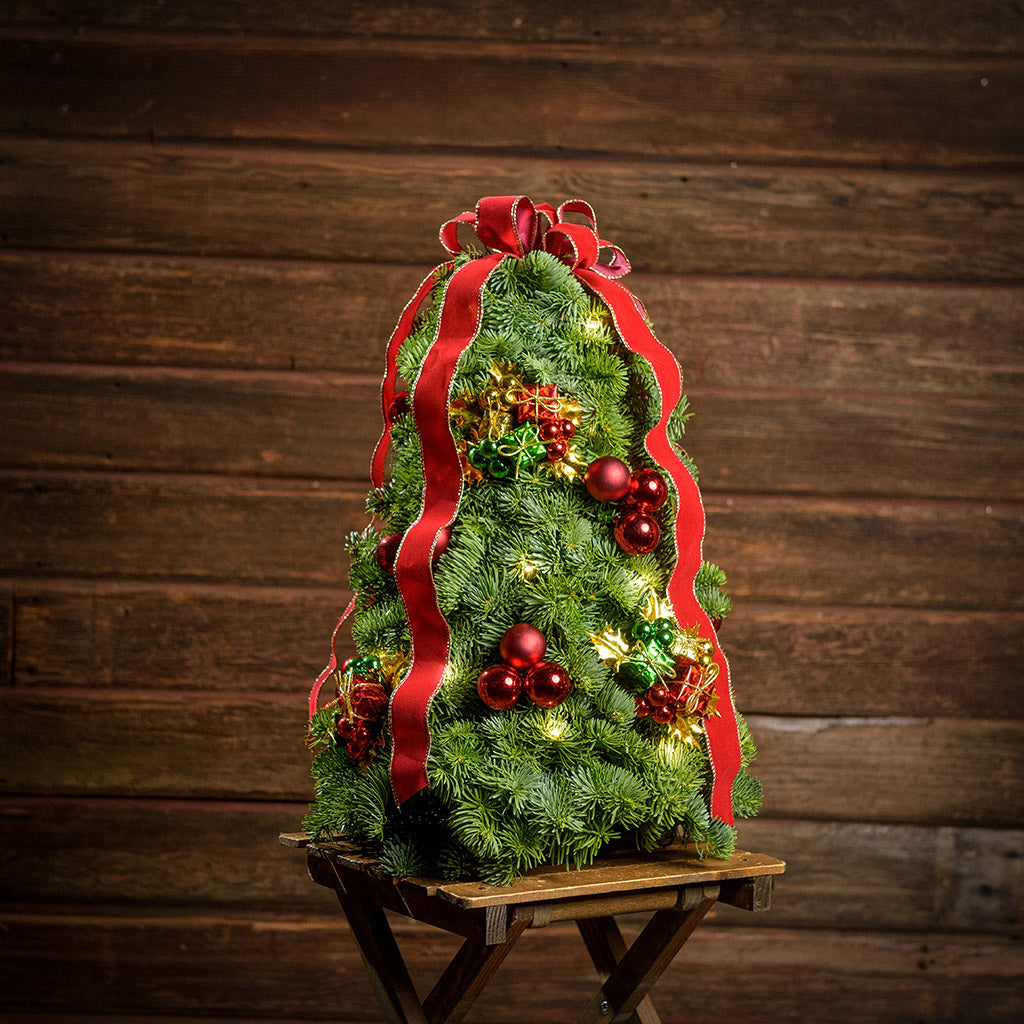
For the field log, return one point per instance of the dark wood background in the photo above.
(211, 217)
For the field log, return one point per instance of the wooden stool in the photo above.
(673, 882)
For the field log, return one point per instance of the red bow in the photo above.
(510, 227)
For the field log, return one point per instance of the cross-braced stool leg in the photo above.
(607, 947)
(467, 975)
(644, 961)
(385, 966)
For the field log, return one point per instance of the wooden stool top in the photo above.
(625, 875)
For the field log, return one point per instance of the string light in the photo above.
(527, 569)
(553, 728)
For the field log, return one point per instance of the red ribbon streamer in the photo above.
(314, 694)
(511, 226)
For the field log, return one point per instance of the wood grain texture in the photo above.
(238, 964)
(213, 529)
(943, 28)
(251, 748)
(786, 659)
(112, 634)
(670, 217)
(291, 425)
(726, 333)
(591, 99)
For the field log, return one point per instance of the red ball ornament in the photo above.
(647, 489)
(637, 533)
(523, 645)
(444, 538)
(607, 478)
(548, 431)
(566, 428)
(499, 687)
(399, 405)
(369, 700)
(547, 684)
(557, 450)
(387, 549)
(664, 713)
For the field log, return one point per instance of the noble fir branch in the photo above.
(678, 420)
(404, 858)
(707, 586)
(746, 795)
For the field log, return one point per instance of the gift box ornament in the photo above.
(538, 675)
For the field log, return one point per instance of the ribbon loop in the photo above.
(449, 233)
(507, 224)
(573, 244)
(578, 206)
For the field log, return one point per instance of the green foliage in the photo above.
(513, 789)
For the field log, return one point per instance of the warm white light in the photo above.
(528, 568)
(554, 728)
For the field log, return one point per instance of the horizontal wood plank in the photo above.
(726, 333)
(785, 659)
(839, 874)
(146, 744)
(279, 967)
(775, 549)
(718, 107)
(677, 218)
(946, 27)
(109, 634)
(319, 425)
(200, 529)
(229, 422)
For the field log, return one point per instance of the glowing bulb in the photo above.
(593, 326)
(553, 728)
(528, 568)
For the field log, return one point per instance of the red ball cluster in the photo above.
(637, 532)
(361, 726)
(544, 682)
(684, 694)
(554, 435)
(542, 405)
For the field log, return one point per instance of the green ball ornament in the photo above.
(665, 637)
(644, 630)
(499, 467)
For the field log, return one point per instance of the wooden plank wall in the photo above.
(211, 216)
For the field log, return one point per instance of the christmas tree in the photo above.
(539, 677)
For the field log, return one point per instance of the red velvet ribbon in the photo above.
(511, 226)
(332, 664)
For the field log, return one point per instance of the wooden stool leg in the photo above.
(644, 961)
(607, 947)
(467, 975)
(383, 960)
